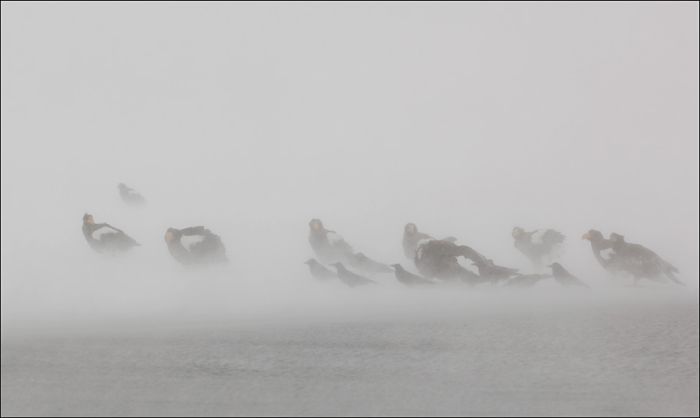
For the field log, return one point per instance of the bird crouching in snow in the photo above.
(564, 278)
(319, 271)
(362, 262)
(195, 245)
(104, 238)
(409, 279)
(349, 278)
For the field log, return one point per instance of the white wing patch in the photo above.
(608, 253)
(188, 241)
(468, 265)
(97, 234)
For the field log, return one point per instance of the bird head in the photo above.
(170, 235)
(316, 225)
(592, 235)
(410, 228)
(517, 231)
(88, 219)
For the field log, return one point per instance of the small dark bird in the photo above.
(366, 264)
(103, 237)
(349, 278)
(408, 278)
(319, 271)
(526, 280)
(195, 245)
(641, 262)
(489, 270)
(130, 196)
(565, 278)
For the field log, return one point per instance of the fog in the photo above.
(251, 119)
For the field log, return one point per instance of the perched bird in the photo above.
(349, 278)
(565, 278)
(366, 264)
(526, 280)
(641, 262)
(195, 245)
(329, 246)
(439, 259)
(488, 270)
(104, 237)
(538, 246)
(319, 271)
(412, 239)
(602, 250)
(130, 196)
(408, 278)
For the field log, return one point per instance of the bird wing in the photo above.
(103, 229)
(188, 241)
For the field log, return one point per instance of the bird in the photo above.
(491, 271)
(526, 280)
(130, 196)
(641, 262)
(195, 245)
(409, 279)
(349, 278)
(412, 239)
(328, 245)
(103, 237)
(319, 271)
(440, 259)
(366, 264)
(564, 278)
(538, 245)
(602, 250)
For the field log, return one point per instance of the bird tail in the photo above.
(673, 277)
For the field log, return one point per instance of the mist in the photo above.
(251, 119)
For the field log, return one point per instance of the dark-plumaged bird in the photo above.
(539, 246)
(439, 259)
(103, 237)
(409, 279)
(367, 265)
(412, 239)
(641, 262)
(195, 245)
(319, 271)
(349, 278)
(328, 245)
(602, 250)
(130, 196)
(526, 280)
(564, 278)
(491, 271)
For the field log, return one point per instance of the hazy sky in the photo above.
(251, 119)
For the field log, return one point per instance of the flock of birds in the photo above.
(435, 260)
